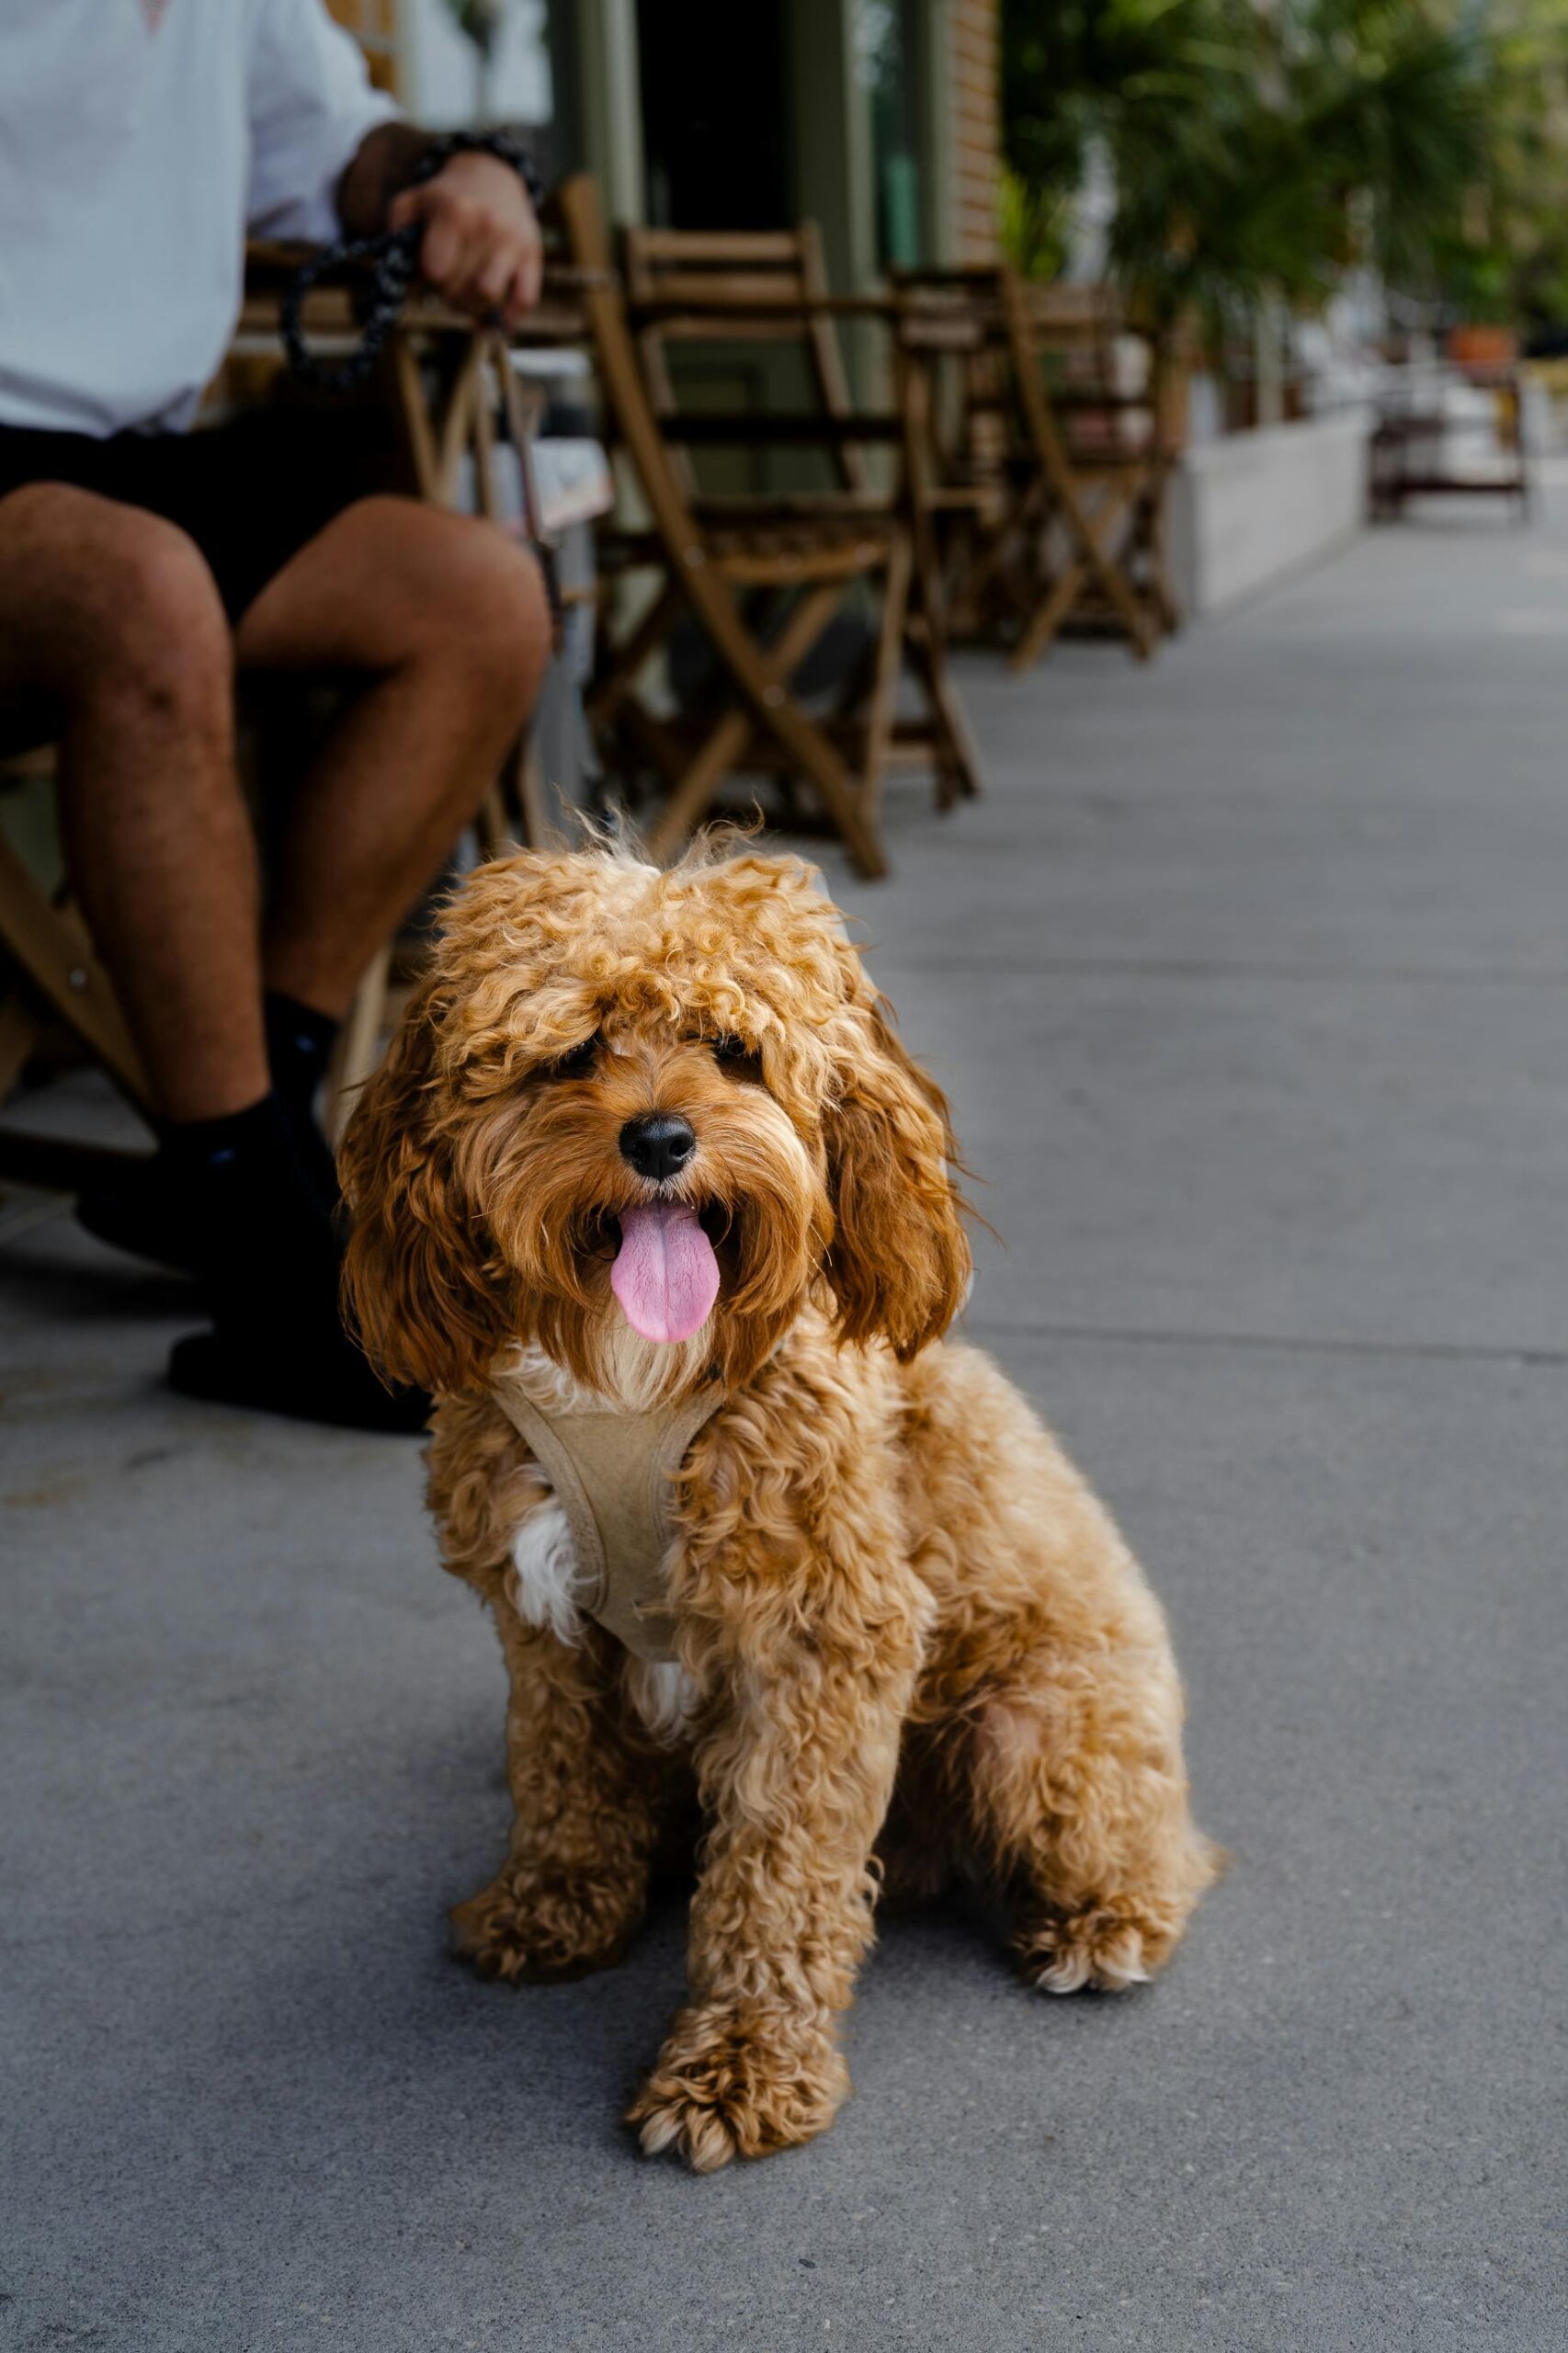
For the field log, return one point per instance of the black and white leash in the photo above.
(394, 261)
(393, 258)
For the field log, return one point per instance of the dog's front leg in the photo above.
(586, 1796)
(795, 1772)
(571, 1895)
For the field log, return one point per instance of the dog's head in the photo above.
(629, 1101)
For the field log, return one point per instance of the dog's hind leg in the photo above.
(1079, 1797)
(919, 1850)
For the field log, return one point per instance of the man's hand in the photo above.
(481, 249)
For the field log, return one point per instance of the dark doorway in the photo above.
(713, 113)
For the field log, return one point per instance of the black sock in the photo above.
(299, 1047)
(198, 1149)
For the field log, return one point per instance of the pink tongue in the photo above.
(664, 1275)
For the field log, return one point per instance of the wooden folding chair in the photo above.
(779, 271)
(1104, 461)
(695, 288)
(1056, 493)
(762, 578)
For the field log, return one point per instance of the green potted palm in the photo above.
(1256, 154)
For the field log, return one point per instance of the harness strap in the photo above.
(612, 1474)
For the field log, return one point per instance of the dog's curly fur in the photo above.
(913, 1642)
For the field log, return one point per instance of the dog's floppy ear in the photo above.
(414, 1282)
(899, 1260)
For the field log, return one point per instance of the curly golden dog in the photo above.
(645, 1138)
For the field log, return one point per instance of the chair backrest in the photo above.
(988, 427)
(619, 364)
(1048, 348)
(756, 671)
(744, 270)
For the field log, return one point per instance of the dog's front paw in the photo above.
(533, 1928)
(730, 2084)
(1104, 1946)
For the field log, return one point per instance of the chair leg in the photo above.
(1044, 623)
(19, 1032)
(50, 945)
(812, 752)
(687, 804)
(50, 1163)
(1092, 533)
(626, 660)
(994, 559)
(359, 1042)
(527, 779)
(961, 773)
(883, 694)
(1112, 575)
(1167, 607)
(660, 748)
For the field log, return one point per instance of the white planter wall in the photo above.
(1252, 507)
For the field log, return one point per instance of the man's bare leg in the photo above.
(446, 622)
(111, 622)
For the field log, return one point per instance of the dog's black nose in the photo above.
(658, 1143)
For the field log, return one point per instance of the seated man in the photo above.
(139, 565)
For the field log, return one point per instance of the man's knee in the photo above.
(482, 604)
(124, 609)
(502, 615)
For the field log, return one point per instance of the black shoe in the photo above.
(135, 1209)
(328, 1382)
(146, 1207)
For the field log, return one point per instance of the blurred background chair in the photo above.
(771, 675)
(1054, 461)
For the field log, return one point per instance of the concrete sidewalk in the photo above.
(1250, 984)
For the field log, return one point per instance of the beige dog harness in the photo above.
(612, 1475)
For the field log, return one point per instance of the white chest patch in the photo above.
(544, 1587)
(663, 1694)
(545, 1583)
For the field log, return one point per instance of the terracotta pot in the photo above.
(1479, 346)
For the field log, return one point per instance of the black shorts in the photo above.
(250, 493)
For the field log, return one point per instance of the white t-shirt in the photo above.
(138, 141)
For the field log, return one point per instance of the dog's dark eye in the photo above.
(577, 1063)
(733, 1054)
